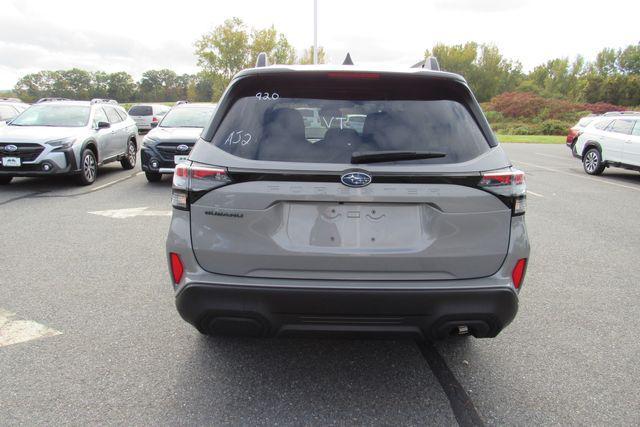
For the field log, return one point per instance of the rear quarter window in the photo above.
(267, 121)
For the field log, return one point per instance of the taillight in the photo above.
(154, 119)
(177, 269)
(191, 181)
(509, 184)
(518, 272)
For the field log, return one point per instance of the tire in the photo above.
(4, 180)
(153, 176)
(89, 168)
(129, 159)
(592, 162)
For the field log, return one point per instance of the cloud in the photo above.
(481, 6)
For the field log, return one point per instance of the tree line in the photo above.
(613, 77)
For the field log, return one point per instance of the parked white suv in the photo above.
(147, 116)
(611, 140)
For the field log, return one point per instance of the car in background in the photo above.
(574, 131)
(415, 227)
(148, 115)
(171, 141)
(610, 140)
(10, 108)
(67, 138)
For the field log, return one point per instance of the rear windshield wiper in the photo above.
(392, 156)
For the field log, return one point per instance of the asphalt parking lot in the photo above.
(89, 280)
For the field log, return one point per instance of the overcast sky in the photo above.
(138, 35)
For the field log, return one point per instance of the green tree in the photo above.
(307, 56)
(629, 59)
(225, 50)
(121, 87)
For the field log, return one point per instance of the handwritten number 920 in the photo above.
(266, 96)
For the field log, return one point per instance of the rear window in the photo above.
(141, 110)
(394, 115)
(622, 126)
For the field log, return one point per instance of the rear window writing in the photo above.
(331, 130)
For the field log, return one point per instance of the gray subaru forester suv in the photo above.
(412, 225)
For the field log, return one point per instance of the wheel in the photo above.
(153, 176)
(4, 180)
(592, 162)
(129, 160)
(89, 170)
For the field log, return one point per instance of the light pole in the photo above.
(315, 31)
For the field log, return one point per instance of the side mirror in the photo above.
(154, 124)
(104, 125)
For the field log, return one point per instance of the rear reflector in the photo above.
(177, 269)
(518, 272)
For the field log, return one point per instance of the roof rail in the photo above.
(103, 101)
(182, 101)
(622, 113)
(347, 60)
(430, 63)
(51, 100)
(9, 99)
(262, 60)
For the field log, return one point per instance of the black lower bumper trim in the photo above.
(270, 311)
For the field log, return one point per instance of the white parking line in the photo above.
(14, 331)
(100, 187)
(534, 194)
(602, 181)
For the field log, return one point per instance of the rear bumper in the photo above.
(285, 311)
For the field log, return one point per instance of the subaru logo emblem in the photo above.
(10, 148)
(356, 179)
(182, 147)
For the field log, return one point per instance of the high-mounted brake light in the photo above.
(507, 183)
(518, 272)
(356, 76)
(190, 182)
(177, 269)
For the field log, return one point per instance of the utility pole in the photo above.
(315, 31)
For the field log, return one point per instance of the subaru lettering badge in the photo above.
(356, 179)
(182, 147)
(10, 148)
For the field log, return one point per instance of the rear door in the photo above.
(119, 134)
(615, 137)
(631, 154)
(297, 207)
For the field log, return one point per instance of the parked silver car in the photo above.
(67, 137)
(146, 116)
(415, 226)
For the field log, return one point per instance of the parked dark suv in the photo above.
(171, 141)
(412, 226)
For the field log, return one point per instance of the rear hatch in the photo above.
(301, 204)
(141, 114)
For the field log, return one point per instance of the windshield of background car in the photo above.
(187, 117)
(266, 120)
(141, 110)
(54, 115)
